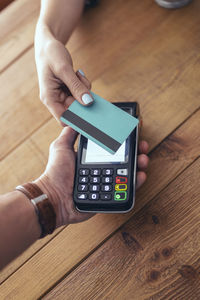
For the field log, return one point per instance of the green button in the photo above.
(120, 196)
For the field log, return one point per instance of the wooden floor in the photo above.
(131, 51)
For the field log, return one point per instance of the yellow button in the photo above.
(120, 187)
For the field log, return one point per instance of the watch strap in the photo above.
(43, 207)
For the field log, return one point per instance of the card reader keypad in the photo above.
(102, 184)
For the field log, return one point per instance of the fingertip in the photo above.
(141, 178)
(143, 161)
(64, 130)
(143, 147)
(87, 99)
(69, 135)
(81, 72)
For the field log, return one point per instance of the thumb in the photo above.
(67, 137)
(78, 90)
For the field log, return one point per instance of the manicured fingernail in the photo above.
(81, 72)
(86, 98)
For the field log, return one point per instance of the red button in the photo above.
(121, 179)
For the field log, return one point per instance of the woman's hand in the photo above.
(59, 84)
(58, 179)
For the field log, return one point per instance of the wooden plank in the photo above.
(154, 256)
(14, 166)
(17, 25)
(149, 33)
(17, 29)
(168, 160)
(21, 111)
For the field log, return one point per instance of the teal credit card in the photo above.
(102, 122)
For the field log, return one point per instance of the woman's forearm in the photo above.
(58, 18)
(19, 226)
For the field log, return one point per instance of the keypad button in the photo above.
(120, 187)
(95, 172)
(121, 179)
(106, 188)
(105, 196)
(93, 196)
(122, 172)
(120, 196)
(83, 179)
(83, 172)
(82, 187)
(94, 188)
(107, 172)
(82, 196)
(107, 180)
(95, 179)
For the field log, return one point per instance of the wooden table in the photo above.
(131, 51)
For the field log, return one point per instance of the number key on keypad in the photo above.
(95, 179)
(95, 172)
(107, 180)
(108, 172)
(106, 188)
(94, 188)
(82, 187)
(83, 179)
(93, 196)
(84, 172)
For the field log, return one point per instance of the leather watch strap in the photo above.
(43, 207)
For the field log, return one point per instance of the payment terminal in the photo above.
(106, 182)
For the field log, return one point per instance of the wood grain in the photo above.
(17, 23)
(141, 53)
(154, 256)
(167, 161)
(17, 28)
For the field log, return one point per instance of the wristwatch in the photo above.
(43, 207)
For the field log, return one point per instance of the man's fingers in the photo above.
(77, 88)
(142, 161)
(67, 137)
(141, 177)
(143, 147)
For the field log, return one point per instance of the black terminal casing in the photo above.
(111, 206)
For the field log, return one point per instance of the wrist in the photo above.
(43, 37)
(46, 187)
(45, 32)
(25, 208)
(42, 205)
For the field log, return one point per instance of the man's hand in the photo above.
(58, 179)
